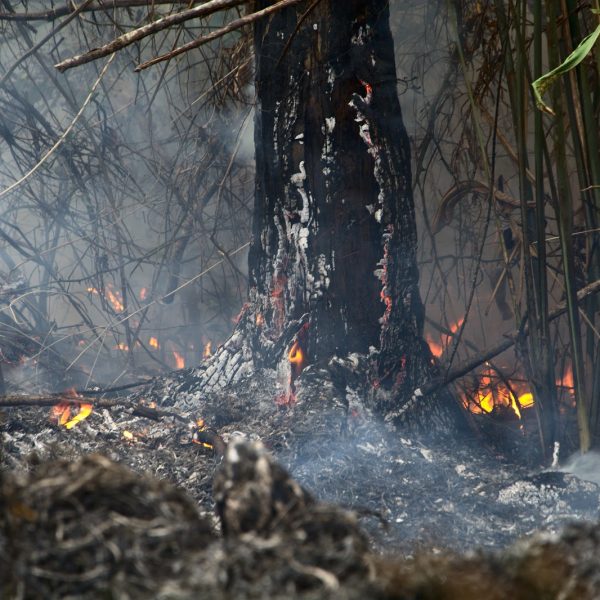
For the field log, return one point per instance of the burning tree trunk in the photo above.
(334, 239)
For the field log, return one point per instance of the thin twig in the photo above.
(237, 24)
(64, 135)
(141, 32)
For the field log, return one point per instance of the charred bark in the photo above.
(334, 227)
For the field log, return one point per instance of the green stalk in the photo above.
(565, 228)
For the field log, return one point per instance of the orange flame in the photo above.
(201, 426)
(493, 393)
(153, 343)
(207, 350)
(60, 413)
(122, 346)
(296, 358)
(437, 349)
(113, 297)
(179, 360)
(567, 381)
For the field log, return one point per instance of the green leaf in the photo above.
(541, 84)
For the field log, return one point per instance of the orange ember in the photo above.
(153, 343)
(122, 346)
(179, 360)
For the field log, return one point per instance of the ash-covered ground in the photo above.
(409, 494)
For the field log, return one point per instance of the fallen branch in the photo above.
(237, 24)
(511, 339)
(141, 32)
(13, 401)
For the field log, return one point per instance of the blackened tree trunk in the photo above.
(334, 242)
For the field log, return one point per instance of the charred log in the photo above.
(334, 238)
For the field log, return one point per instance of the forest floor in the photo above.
(408, 496)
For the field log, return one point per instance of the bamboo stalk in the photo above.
(565, 228)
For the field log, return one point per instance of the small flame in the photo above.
(437, 349)
(200, 427)
(60, 413)
(153, 343)
(493, 393)
(85, 410)
(260, 320)
(114, 297)
(207, 350)
(122, 346)
(567, 381)
(179, 360)
(296, 358)
(143, 294)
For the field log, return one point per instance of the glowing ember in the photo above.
(153, 343)
(179, 360)
(207, 350)
(368, 87)
(260, 320)
(85, 410)
(122, 346)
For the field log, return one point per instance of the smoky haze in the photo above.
(150, 191)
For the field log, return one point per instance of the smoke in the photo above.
(152, 186)
(585, 466)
